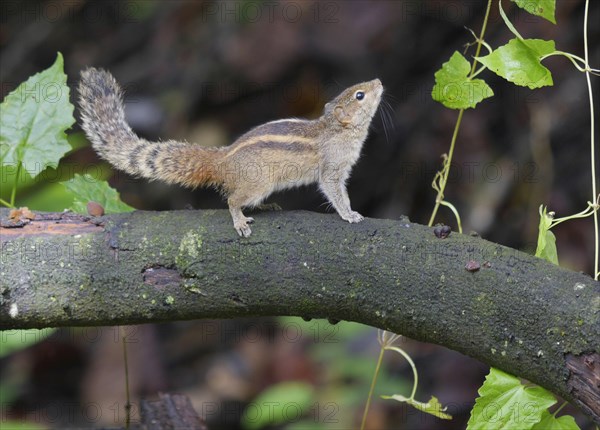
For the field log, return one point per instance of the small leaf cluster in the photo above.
(504, 401)
(518, 61)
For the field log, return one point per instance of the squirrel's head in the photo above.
(356, 105)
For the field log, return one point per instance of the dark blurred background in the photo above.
(207, 71)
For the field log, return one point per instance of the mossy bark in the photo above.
(517, 312)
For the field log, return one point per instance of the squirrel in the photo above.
(270, 157)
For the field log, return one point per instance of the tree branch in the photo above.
(517, 312)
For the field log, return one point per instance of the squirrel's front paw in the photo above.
(353, 217)
(242, 226)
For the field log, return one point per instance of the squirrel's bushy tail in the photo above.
(103, 120)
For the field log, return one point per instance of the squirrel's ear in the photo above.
(342, 116)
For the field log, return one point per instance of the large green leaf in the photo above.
(33, 120)
(519, 61)
(87, 189)
(280, 403)
(544, 8)
(505, 403)
(454, 89)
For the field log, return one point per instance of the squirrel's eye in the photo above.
(359, 95)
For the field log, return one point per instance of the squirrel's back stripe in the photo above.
(282, 141)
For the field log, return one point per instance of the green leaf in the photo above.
(21, 425)
(507, 404)
(87, 189)
(280, 403)
(432, 407)
(311, 423)
(544, 8)
(50, 196)
(519, 61)
(33, 120)
(454, 89)
(546, 245)
(550, 422)
(15, 340)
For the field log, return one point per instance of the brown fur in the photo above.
(273, 156)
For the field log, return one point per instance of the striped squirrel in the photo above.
(273, 156)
